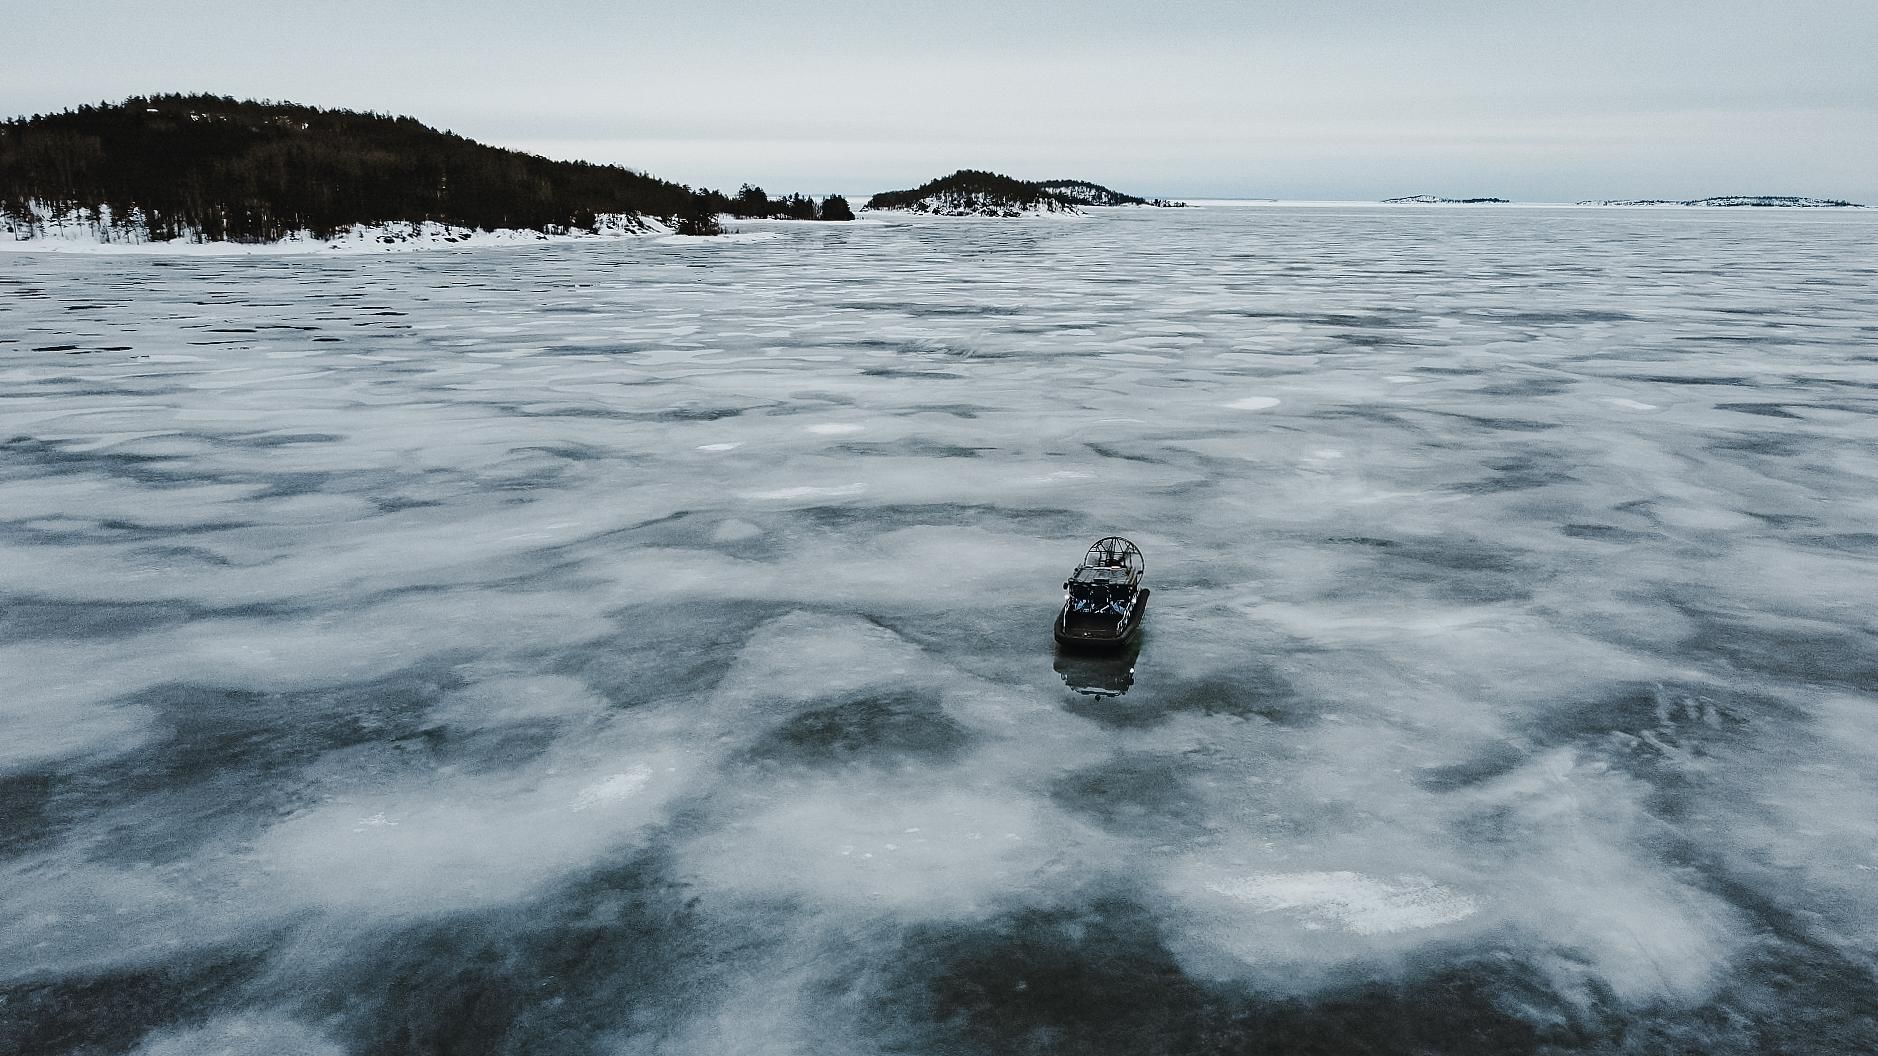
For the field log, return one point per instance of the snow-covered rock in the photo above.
(980, 203)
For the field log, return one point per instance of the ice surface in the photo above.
(643, 646)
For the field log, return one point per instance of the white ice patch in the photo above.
(45, 718)
(1632, 405)
(241, 1035)
(1351, 901)
(915, 850)
(1587, 882)
(613, 789)
(1255, 403)
(836, 428)
(464, 839)
(507, 701)
(735, 531)
(835, 491)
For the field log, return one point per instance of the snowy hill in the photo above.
(211, 169)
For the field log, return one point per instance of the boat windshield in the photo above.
(1092, 574)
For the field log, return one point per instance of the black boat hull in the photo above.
(1101, 637)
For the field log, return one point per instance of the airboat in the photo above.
(1103, 599)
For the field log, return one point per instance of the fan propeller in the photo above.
(1115, 552)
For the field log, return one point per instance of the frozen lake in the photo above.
(645, 647)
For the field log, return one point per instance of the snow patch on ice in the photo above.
(1255, 403)
(918, 851)
(510, 700)
(735, 531)
(241, 1035)
(613, 789)
(809, 492)
(1354, 902)
(466, 839)
(46, 718)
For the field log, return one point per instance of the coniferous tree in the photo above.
(699, 216)
(835, 207)
(752, 202)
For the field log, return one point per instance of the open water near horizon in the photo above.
(645, 647)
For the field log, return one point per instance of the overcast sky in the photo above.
(1302, 99)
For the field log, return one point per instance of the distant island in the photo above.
(1736, 201)
(206, 168)
(1429, 199)
(974, 192)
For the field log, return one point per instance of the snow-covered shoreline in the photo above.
(78, 233)
(75, 234)
(87, 236)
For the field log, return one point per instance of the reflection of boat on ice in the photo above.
(1109, 673)
(1103, 599)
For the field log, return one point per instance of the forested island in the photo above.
(1430, 199)
(1758, 201)
(1739, 201)
(975, 192)
(212, 168)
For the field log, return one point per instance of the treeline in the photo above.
(1086, 193)
(222, 169)
(754, 203)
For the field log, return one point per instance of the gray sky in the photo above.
(1334, 99)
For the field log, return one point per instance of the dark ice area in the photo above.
(645, 647)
